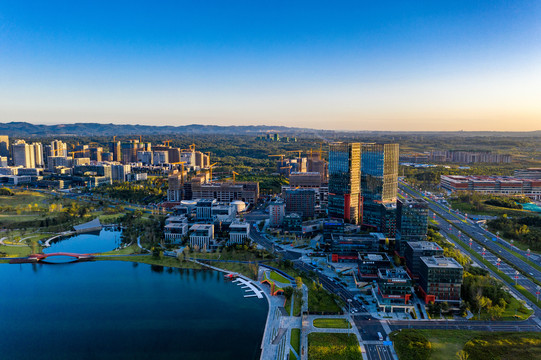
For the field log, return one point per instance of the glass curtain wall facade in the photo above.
(379, 186)
(344, 181)
(411, 222)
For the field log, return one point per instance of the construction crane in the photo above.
(75, 152)
(210, 171)
(192, 147)
(234, 173)
(280, 155)
(167, 143)
(295, 151)
(114, 138)
(181, 163)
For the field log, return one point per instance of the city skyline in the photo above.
(353, 66)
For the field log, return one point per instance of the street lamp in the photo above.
(349, 312)
(538, 292)
(516, 277)
(484, 252)
(498, 262)
(471, 242)
(528, 253)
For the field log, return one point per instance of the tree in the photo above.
(462, 355)
(288, 292)
(298, 281)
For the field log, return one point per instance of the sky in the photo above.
(341, 65)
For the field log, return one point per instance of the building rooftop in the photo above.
(423, 245)
(196, 227)
(394, 275)
(440, 262)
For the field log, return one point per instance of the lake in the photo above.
(123, 310)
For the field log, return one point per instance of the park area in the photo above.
(472, 345)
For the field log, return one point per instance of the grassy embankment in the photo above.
(295, 342)
(330, 346)
(319, 299)
(332, 323)
(477, 345)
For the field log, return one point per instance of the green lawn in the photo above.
(329, 346)
(279, 278)
(332, 323)
(479, 345)
(132, 249)
(149, 259)
(296, 340)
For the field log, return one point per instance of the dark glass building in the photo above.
(344, 181)
(411, 222)
(379, 187)
(440, 279)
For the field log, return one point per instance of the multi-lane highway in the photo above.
(465, 229)
(479, 234)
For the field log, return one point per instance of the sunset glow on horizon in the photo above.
(355, 65)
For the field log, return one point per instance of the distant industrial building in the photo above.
(530, 173)
(226, 191)
(469, 157)
(501, 185)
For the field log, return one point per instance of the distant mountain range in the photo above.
(24, 129)
(95, 129)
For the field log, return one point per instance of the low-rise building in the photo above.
(393, 290)
(176, 227)
(292, 223)
(369, 264)
(202, 236)
(239, 232)
(414, 250)
(440, 279)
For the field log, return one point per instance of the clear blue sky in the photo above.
(362, 65)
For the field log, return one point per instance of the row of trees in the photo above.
(526, 229)
(141, 192)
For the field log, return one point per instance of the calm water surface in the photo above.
(122, 310)
(89, 243)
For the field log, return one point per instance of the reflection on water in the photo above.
(105, 240)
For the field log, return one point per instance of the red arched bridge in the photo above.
(38, 257)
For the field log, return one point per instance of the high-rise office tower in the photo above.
(38, 154)
(344, 181)
(114, 148)
(4, 145)
(23, 154)
(379, 186)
